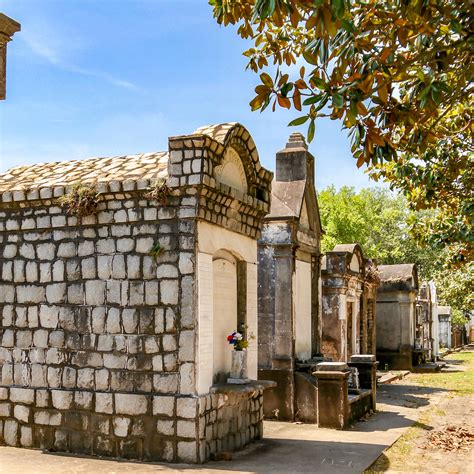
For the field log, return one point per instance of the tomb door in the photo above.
(225, 315)
(350, 345)
(302, 310)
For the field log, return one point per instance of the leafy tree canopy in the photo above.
(397, 73)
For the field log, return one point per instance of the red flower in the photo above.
(229, 338)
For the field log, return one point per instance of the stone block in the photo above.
(118, 267)
(130, 404)
(144, 245)
(186, 407)
(133, 267)
(115, 361)
(163, 405)
(157, 363)
(187, 451)
(104, 266)
(169, 343)
(102, 379)
(165, 427)
(5, 409)
(186, 263)
(89, 268)
(54, 377)
(166, 271)
(170, 362)
(169, 291)
(98, 320)
(129, 320)
(10, 432)
(62, 399)
(121, 426)
(113, 321)
(69, 377)
(49, 316)
(30, 294)
(39, 375)
(187, 382)
(186, 346)
(8, 338)
(26, 437)
(42, 398)
(21, 413)
(104, 403)
(85, 378)
(165, 383)
(56, 339)
(22, 395)
(67, 250)
(95, 292)
(186, 429)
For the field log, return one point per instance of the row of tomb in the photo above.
(114, 323)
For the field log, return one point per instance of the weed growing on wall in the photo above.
(81, 201)
(159, 192)
(157, 250)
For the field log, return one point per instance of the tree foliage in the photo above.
(397, 73)
(376, 218)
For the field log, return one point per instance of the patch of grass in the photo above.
(462, 382)
(395, 457)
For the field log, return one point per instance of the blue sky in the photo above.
(108, 77)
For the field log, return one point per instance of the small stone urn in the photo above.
(238, 372)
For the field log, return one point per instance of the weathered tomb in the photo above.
(8, 28)
(444, 317)
(113, 325)
(428, 335)
(289, 285)
(349, 289)
(399, 320)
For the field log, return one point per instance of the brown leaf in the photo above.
(297, 99)
(284, 102)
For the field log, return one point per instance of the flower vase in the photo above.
(238, 371)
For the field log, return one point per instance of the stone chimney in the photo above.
(8, 28)
(295, 162)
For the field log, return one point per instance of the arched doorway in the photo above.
(225, 313)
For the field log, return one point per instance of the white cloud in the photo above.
(53, 49)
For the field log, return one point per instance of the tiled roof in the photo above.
(92, 170)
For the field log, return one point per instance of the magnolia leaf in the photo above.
(298, 121)
(337, 100)
(266, 79)
(311, 130)
(283, 102)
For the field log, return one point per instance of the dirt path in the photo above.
(442, 439)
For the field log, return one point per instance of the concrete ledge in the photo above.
(249, 388)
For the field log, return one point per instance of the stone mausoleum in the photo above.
(444, 318)
(399, 319)
(349, 283)
(8, 28)
(114, 319)
(289, 285)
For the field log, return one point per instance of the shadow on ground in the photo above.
(411, 396)
(265, 456)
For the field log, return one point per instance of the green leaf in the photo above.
(298, 121)
(311, 130)
(338, 7)
(266, 79)
(313, 99)
(337, 100)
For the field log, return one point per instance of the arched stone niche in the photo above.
(225, 309)
(231, 171)
(227, 298)
(355, 263)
